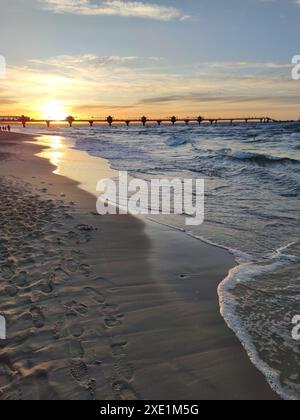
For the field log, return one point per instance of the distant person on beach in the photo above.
(5, 128)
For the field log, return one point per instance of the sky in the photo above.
(92, 58)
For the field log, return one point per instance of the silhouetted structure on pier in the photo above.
(173, 120)
(110, 120)
(24, 120)
(70, 120)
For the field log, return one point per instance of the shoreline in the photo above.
(163, 334)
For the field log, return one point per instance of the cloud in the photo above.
(238, 65)
(74, 62)
(5, 100)
(98, 69)
(204, 97)
(130, 86)
(124, 8)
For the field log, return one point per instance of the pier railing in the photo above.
(143, 120)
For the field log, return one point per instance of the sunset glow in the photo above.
(160, 75)
(149, 190)
(54, 110)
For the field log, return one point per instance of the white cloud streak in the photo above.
(138, 9)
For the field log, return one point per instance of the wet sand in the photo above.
(107, 307)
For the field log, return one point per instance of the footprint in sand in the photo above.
(71, 266)
(124, 391)
(76, 331)
(85, 228)
(21, 279)
(102, 282)
(6, 272)
(45, 390)
(61, 275)
(113, 318)
(56, 330)
(79, 371)
(48, 287)
(110, 309)
(7, 394)
(11, 291)
(124, 369)
(72, 235)
(112, 322)
(81, 309)
(25, 317)
(118, 348)
(95, 294)
(76, 349)
(85, 269)
(37, 317)
(71, 316)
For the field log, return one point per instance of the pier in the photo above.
(23, 120)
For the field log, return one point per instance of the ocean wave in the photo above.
(176, 141)
(244, 276)
(261, 158)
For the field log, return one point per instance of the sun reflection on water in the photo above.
(74, 164)
(55, 150)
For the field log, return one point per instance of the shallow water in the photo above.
(252, 175)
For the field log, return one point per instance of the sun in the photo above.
(54, 110)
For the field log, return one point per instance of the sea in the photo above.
(252, 191)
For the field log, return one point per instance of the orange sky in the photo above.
(153, 57)
(91, 86)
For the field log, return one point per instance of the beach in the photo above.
(107, 308)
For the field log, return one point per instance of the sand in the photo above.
(109, 307)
